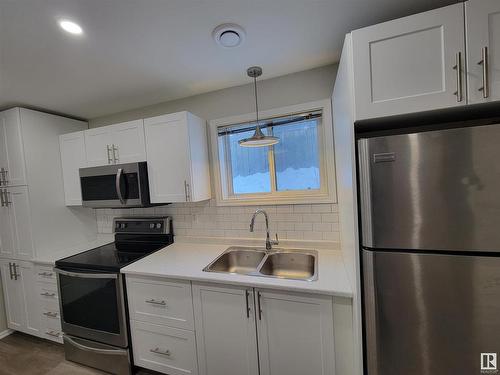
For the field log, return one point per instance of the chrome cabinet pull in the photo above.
(14, 271)
(2, 176)
(458, 68)
(247, 293)
(187, 191)
(10, 271)
(1, 198)
(110, 159)
(162, 352)
(117, 185)
(47, 294)
(53, 333)
(6, 198)
(152, 301)
(116, 158)
(260, 306)
(486, 80)
(50, 314)
(46, 274)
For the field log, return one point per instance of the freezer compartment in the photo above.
(430, 313)
(432, 190)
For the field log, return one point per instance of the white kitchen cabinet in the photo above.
(483, 50)
(225, 330)
(115, 144)
(12, 163)
(72, 147)
(177, 156)
(295, 334)
(411, 64)
(18, 281)
(15, 216)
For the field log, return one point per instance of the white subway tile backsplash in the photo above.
(296, 222)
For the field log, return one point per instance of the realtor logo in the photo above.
(489, 363)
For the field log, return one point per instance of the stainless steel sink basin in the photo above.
(278, 263)
(237, 260)
(289, 265)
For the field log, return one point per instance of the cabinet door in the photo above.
(13, 295)
(20, 218)
(11, 148)
(295, 334)
(6, 229)
(98, 146)
(407, 65)
(483, 44)
(167, 156)
(128, 142)
(225, 330)
(26, 276)
(72, 148)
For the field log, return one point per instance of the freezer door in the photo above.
(430, 314)
(432, 190)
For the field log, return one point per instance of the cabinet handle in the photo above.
(187, 191)
(46, 274)
(6, 198)
(10, 271)
(486, 80)
(247, 293)
(50, 314)
(162, 352)
(2, 178)
(260, 306)
(14, 271)
(110, 159)
(458, 68)
(53, 333)
(116, 159)
(155, 302)
(47, 294)
(1, 198)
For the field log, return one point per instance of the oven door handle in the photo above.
(95, 350)
(117, 185)
(87, 275)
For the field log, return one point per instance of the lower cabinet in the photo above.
(237, 330)
(226, 336)
(31, 299)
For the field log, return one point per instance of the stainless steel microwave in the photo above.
(115, 186)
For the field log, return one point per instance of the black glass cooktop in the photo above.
(111, 257)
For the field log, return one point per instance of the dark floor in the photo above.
(28, 355)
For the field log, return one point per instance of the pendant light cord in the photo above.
(256, 101)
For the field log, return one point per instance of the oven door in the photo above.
(121, 185)
(93, 306)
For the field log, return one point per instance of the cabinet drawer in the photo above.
(48, 292)
(50, 316)
(45, 274)
(52, 332)
(165, 349)
(161, 302)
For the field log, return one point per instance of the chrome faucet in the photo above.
(269, 242)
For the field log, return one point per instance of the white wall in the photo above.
(294, 222)
(297, 88)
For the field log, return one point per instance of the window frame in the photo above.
(327, 192)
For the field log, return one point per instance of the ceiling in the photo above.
(135, 53)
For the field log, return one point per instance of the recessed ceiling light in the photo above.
(229, 35)
(71, 27)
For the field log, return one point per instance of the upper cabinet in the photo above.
(483, 50)
(115, 144)
(12, 163)
(411, 64)
(177, 156)
(72, 147)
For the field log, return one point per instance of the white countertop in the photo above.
(186, 261)
(50, 259)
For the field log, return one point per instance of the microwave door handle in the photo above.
(117, 185)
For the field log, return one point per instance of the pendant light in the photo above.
(258, 139)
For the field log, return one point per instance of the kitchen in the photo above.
(325, 207)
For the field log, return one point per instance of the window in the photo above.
(296, 170)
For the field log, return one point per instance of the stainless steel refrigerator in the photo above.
(430, 218)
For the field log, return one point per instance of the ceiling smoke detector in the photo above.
(229, 35)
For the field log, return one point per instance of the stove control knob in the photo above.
(151, 226)
(158, 225)
(123, 225)
(117, 225)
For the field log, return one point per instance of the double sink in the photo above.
(278, 263)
